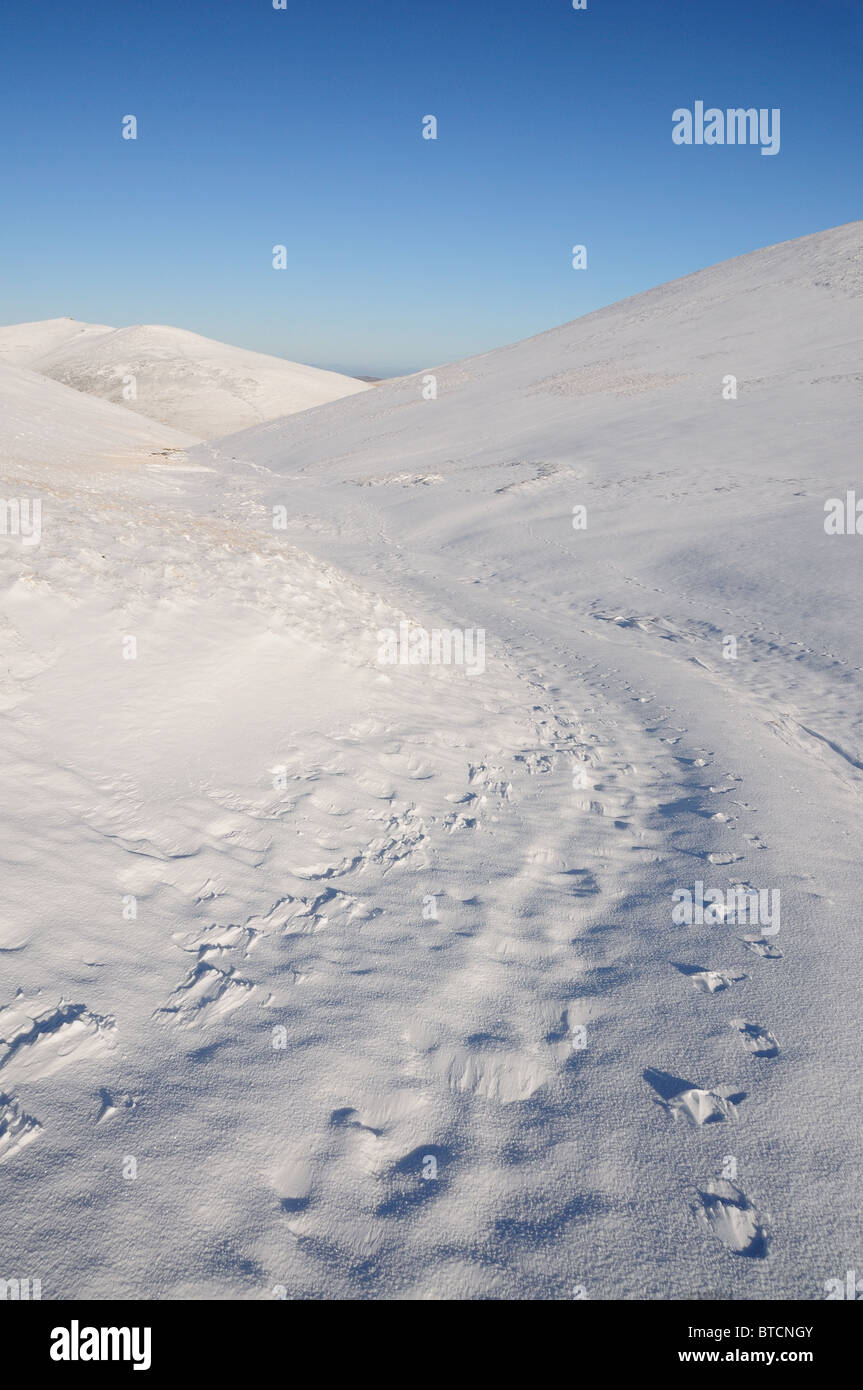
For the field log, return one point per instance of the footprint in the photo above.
(711, 981)
(293, 1184)
(206, 994)
(359, 1142)
(727, 1213)
(758, 1040)
(349, 1118)
(569, 1032)
(16, 1128)
(112, 1103)
(216, 940)
(584, 885)
(767, 950)
(699, 1106)
(702, 1107)
(415, 1179)
(756, 841)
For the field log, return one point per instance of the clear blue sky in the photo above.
(303, 127)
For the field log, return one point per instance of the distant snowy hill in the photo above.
(195, 384)
(23, 343)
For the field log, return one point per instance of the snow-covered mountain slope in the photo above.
(181, 379)
(326, 977)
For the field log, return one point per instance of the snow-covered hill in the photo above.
(22, 344)
(181, 379)
(331, 977)
(44, 422)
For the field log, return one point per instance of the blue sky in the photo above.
(303, 127)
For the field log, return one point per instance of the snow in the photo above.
(22, 344)
(402, 1010)
(44, 422)
(193, 384)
